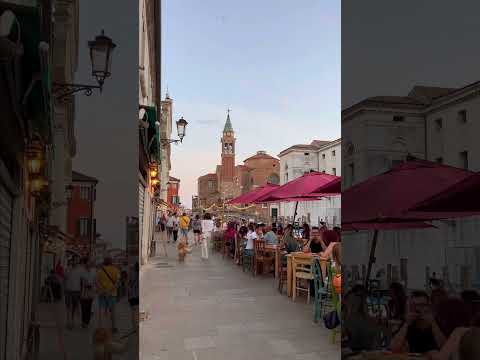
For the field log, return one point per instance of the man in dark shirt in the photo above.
(420, 333)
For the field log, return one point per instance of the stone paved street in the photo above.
(212, 310)
(56, 342)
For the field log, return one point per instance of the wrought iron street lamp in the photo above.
(101, 50)
(181, 131)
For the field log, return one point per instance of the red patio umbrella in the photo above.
(388, 197)
(460, 199)
(384, 201)
(254, 194)
(302, 187)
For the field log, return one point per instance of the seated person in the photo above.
(420, 332)
(270, 236)
(359, 329)
(454, 348)
(315, 244)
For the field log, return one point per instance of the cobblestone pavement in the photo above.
(56, 342)
(212, 310)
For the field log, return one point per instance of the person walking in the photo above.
(163, 222)
(170, 221)
(107, 283)
(133, 295)
(72, 291)
(197, 229)
(184, 224)
(175, 228)
(88, 280)
(207, 231)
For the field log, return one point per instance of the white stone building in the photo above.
(437, 124)
(323, 156)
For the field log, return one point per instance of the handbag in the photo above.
(331, 320)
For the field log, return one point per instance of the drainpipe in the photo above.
(426, 137)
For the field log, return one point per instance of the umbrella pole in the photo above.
(371, 260)
(295, 213)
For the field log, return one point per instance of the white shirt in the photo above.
(250, 237)
(170, 221)
(89, 277)
(207, 226)
(73, 279)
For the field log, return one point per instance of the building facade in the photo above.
(436, 124)
(30, 211)
(81, 222)
(173, 198)
(319, 155)
(231, 180)
(150, 124)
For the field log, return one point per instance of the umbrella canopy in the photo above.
(460, 199)
(387, 226)
(302, 188)
(388, 197)
(254, 194)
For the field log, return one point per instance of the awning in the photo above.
(153, 132)
(251, 196)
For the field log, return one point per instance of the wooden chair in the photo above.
(282, 273)
(302, 268)
(260, 257)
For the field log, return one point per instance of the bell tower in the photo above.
(228, 151)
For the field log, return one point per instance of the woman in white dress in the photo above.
(207, 231)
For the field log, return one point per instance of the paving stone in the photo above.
(212, 310)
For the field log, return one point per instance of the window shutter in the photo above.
(78, 227)
(89, 227)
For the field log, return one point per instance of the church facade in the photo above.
(230, 180)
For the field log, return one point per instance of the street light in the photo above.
(181, 131)
(101, 50)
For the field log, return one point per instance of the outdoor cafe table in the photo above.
(275, 250)
(291, 271)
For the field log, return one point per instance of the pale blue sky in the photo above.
(275, 63)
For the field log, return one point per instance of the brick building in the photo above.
(81, 222)
(230, 180)
(173, 188)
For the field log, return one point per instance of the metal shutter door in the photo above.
(6, 209)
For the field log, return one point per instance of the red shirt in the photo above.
(330, 236)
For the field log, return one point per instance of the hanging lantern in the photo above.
(153, 170)
(37, 184)
(34, 155)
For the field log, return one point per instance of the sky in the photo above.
(390, 46)
(275, 64)
(106, 123)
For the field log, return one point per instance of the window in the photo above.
(210, 185)
(333, 152)
(351, 170)
(439, 124)
(323, 156)
(83, 227)
(334, 171)
(84, 193)
(464, 159)
(396, 162)
(306, 154)
(462, 116)
(398, 118)
(323, 171)
(439, 160)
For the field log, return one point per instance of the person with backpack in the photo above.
(107, 288)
